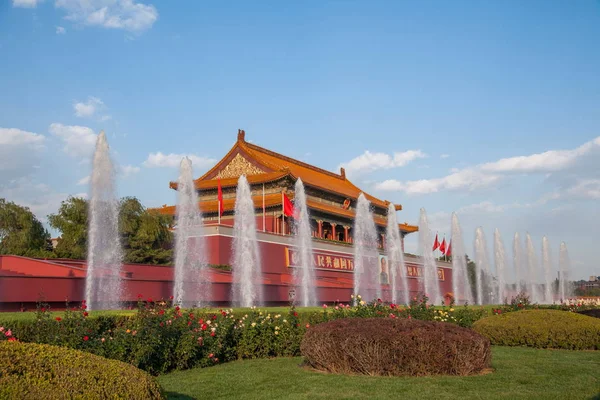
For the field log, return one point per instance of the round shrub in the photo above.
(380, 346)
(39, 371)
(542, 329)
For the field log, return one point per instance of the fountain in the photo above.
(396, 257)
(430, 275)
(547, 263)
(460, 278)
(103, 284)
(366, 271)
(532, 285)
(500, 262)
(518, 264)
(564, 289)
(192, 287)
(246, 268)
(304, 274)
(482, 268)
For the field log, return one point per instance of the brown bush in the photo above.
(377, 346)
(590, 313)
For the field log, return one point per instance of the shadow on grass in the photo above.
(178, 396)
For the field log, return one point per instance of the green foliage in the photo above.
(36, 371)
(71, 221)
(21, 233)
(145, 235)
(542, 329)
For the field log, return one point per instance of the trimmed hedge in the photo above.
(542, 329)
(38, 371)
(395, 347)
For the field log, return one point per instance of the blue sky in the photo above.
(427, 104)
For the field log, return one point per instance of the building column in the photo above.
(402, 242)
(320, 231)
(346, 228)
(383, 241)
(333, 231)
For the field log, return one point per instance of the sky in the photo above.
(487, 109)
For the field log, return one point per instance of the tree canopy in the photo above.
(145, 235)
(21, 233)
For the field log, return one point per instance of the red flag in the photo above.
(449, 249)
(443, 246)
(288, 207)
(220, 197)
(436, 244)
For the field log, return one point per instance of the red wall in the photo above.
(25, 281)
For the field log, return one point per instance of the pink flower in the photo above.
(307, 326)
(324, 305)
(8, 333)
(200, 340)
(211, 355)
(102, 340)
(1, 329)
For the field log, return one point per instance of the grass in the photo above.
(519, 373)
(30, 315)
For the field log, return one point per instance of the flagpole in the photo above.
(282, 215)
(264, 216)
(219, 211)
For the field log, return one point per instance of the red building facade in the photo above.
(331, 200)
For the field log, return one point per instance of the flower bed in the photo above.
(542, 329)
(37, 371)
(375, 346)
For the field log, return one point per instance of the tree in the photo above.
(21, 233)
(71, 221)
(146, 236)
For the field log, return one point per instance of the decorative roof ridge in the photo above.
(272, 153)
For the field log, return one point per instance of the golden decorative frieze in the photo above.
(238, 166)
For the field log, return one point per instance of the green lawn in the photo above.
(519, 373)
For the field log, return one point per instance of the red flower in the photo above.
(58, 319)
(189, 323)
(12, 339)
(204, 327)
(140, 296)
(295, 313)
(85, 314)
(149, 300)
(161, 312)
(200, 321)
(83, 306)
(177, 308)
(86, 338)
(212, 334)
(214, 317)
(171, 298)
(307, 326)
(211, 355)
(43, 309)
(161, 324)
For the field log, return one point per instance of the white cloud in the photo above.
(60, 30)
(89, 108)
(583, 189)
(79, 140)
(39, 197)
(369, 162)
(467, 179)
(84, 181)
(26, 3)
(549, 161)
(19, 152)
(445, 156)
(128, 170)
(160, 160)
(111, 14)
(487, 174)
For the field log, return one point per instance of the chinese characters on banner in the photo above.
(328, 261)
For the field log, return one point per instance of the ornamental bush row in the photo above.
(542, 329)
(160, 338)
